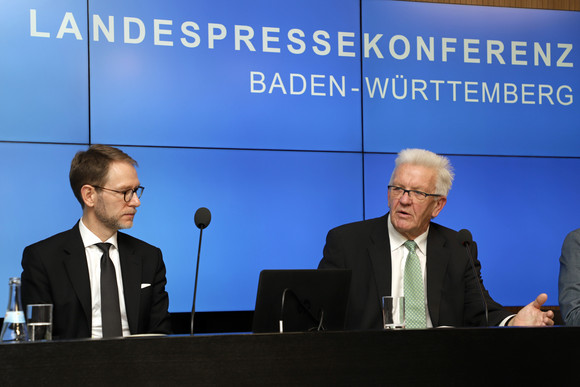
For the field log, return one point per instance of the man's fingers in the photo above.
(539, 301)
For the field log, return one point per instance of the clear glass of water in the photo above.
(39, 322)
(394, 312)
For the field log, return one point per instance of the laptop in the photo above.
(301, 300)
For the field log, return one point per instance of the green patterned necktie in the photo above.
(414, 290)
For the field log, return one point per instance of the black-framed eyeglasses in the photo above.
(413, 194)
(127, 195)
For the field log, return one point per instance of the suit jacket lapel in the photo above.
(437, 260)
(380, 255)
(131, 272)
(76, 266)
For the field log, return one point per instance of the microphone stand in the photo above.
(466, 243)
(195, 285)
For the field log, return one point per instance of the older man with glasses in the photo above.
(101, 282)
(404, 253)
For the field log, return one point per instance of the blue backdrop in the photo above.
(284, 120)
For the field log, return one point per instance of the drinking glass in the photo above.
(39, 322)
(394, 312)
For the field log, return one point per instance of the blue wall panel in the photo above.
(280, 160)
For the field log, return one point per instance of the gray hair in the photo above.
(428, 159)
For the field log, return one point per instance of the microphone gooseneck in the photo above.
(466, 239)
(202, 218)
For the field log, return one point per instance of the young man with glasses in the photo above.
(101, 282)
(389, 253)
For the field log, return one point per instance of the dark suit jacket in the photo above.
(55, 272)
(453, 296)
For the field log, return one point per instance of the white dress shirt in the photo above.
(398, 259)
(94, 255)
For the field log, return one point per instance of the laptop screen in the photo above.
(301, 300)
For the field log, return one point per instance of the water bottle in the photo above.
(14, 327)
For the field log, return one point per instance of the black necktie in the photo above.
(110, 309)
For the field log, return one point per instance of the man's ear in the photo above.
(441, 201)
(89, 195)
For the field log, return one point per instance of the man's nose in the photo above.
(135, 201)
(405, 197)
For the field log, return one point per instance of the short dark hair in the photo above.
(92, 166)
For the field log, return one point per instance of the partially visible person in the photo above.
(102, 283)
(569, 279)
(405, 253)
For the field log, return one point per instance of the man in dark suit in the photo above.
(379, 252)
(102, 283)
(569, 279)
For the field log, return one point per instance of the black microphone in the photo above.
(202, 218)
(465, 239)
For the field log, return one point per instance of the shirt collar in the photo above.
(397, 240)
(90, 239)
